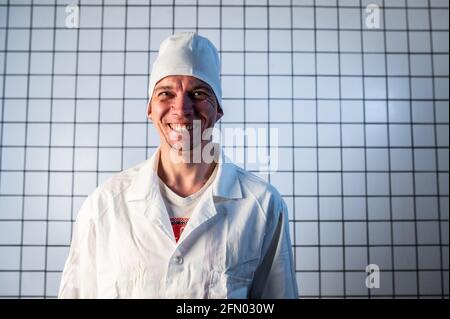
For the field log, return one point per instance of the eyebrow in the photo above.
(202, 86)
(164, 87)
(196, 87)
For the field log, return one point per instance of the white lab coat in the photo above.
(236, 244)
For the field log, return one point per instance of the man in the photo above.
(180, 226)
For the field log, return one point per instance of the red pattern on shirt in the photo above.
(178, 224)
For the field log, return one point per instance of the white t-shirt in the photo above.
(180, 208)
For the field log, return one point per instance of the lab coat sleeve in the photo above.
(275, 277)
(79, 276)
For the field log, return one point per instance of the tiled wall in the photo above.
(361, 111)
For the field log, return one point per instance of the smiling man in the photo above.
(181, 225)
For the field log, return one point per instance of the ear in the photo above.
(219, 112)
(149, 109)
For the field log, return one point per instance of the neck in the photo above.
(180, 173)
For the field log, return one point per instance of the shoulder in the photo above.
(106, 193)
(264, 193)
(120, 182)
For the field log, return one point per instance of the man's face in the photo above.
(176, 102)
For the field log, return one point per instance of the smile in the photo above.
(180, 127)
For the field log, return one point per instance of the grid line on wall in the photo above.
(24, 161)
(52, 78)
(408, 44)
(244, 84)
(389, 153)
(436, 163)
(344, 265)
(293, 213)
(366, 202)
(5, 59)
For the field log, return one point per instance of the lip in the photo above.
(180, 127)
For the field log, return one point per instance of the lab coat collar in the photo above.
(227, 183)
(145, 185)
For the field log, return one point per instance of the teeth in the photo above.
(181, 127)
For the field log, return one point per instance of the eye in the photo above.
(199, 94)
(164, 94)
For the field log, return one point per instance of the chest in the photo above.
(218, 256)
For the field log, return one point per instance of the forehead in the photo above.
(178, 81)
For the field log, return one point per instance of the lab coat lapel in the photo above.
(145, 189)
(145, 197)
(226, 186)
(157, 213)
(145, 182)
(203, 212)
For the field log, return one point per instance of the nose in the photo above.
(183, 106)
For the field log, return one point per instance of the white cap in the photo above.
(188, 54)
